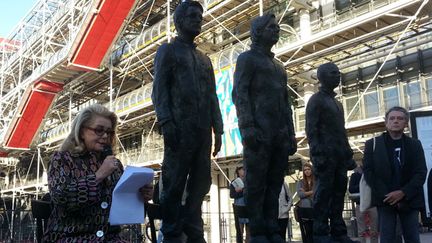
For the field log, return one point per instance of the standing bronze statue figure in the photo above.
(187, 108)
(331, 156)
(265, 120)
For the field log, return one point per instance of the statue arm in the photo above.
(215, 109)
(161, 84)
(288, 114)
(243, 76)
(313, 114)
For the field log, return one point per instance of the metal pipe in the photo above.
(168, 27)
(261, 7)
(39, 160)
(414, 17)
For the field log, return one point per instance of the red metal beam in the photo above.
(100, 33)
(33, 108)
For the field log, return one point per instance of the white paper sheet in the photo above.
(126, 206)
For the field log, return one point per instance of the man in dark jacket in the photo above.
(395, 169)
(187, 108)
(265, 121)
(331, 156)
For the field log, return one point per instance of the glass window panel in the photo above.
(429, 91)
(301, 119)
(391, 97)
(140, 96)
(371, 104)
(349, 105)
(412, 94)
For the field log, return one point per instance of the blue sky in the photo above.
(12, 12)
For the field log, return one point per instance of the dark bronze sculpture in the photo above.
(265, 120)
(331, 156)
(184, 96)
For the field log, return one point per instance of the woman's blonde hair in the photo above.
(74, 143)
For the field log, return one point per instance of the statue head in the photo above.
(329, 75)
(188, 18)
(265, 30)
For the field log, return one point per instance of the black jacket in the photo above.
(354, 184)
(184, 88)
(378, 171)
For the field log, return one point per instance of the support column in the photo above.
(261, 7)
(308, 91)
(309, 85)
(214, 210)
(39, 161)
(305, 26)
(168, 30)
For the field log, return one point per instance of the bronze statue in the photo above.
(187, 108)
(331, 156)
(265, 120)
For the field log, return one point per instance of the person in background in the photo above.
(367, 221)
(236, 192)
(305, 191)
(395, 168)
(81, 179)
(285, 202)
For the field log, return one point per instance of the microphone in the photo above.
(106, 151)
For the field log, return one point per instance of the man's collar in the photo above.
(327, 91)
(262, 50)
(182, 41)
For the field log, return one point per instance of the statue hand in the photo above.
(249, 138)
(351, 164)
(217, 144)
(169, 132)
(292, 145)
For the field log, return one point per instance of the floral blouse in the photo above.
(80, 205)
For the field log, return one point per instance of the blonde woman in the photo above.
(81, 178)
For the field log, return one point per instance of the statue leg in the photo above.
(197, 187)
(174, 173)
(324, 181)
(337, 224)
(256, 165)
(276, 171)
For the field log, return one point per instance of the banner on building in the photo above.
(231, 139)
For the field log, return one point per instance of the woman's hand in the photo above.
(146, 192)
(238, 189)
(109, 165)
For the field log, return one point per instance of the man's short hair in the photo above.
(258, 25)
(180, 11)
(400, 109)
